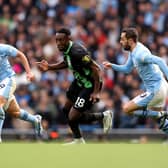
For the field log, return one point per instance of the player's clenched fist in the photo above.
(43, 65)
(107, 65)
(30, 76)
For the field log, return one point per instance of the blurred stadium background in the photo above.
(30, 26)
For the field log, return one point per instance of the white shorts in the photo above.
(150, 99)
(7, 89)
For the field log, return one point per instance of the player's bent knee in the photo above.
(126, 109)
(15, 114)
(73, 117)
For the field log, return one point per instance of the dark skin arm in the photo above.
(45, 66)
(96, 74)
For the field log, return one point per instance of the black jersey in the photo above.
(78, 61)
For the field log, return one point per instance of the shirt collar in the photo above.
(69, 47)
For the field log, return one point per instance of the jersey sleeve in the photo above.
(144, 56)
(82, 56)
(160, 62)
(10, 50)
(126, 68)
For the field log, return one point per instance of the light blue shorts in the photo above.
(7, 87)
(153, 99)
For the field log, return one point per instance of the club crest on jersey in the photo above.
(143, 94)
(86, 58)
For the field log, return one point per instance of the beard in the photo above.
(127, 47)
(61, 48)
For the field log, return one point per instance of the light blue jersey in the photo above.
(149, 67)
(5, 67)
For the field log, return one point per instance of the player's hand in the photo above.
(107, 65)
(43, 65)
(94, 97)
(30, 76)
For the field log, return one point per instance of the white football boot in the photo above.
(76, 141)
(107, 120)
(38, 125)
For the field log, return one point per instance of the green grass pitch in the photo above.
(98, 155)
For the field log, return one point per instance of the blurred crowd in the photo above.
(30, 26)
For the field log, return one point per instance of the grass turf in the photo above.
(102, 155)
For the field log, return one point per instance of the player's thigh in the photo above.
(131, 106)
(139, 102)
(83, 102)
(68, 104)
(74, 114)
(67, 107)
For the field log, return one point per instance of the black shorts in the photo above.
(80, 96)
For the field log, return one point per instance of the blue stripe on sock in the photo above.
(146, 113)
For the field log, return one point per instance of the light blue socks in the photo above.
(147, 113)
(24, 115)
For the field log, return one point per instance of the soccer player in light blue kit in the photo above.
(151, 69)
(8, 102)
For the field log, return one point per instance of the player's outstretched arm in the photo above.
(107, 65)
(45, 66)
(126, 68)
(24, 61)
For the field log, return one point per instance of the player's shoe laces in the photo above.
(38, 125)
(76, 141)
(107, 120)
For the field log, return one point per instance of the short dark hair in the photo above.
(131, 32)
(64, 30)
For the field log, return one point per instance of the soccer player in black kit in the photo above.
(84, 91)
